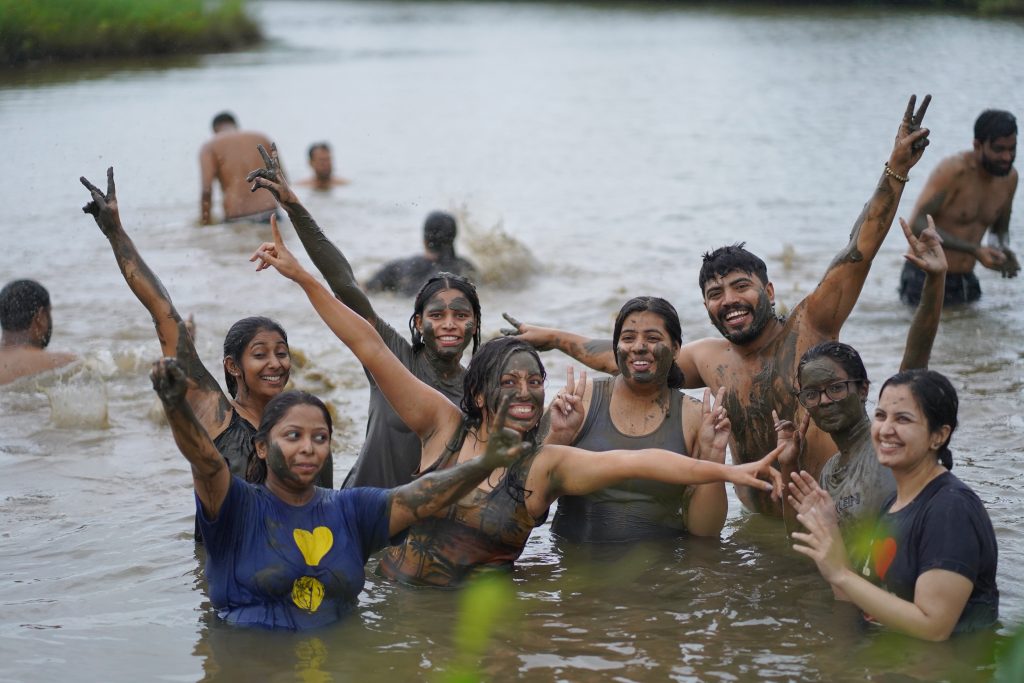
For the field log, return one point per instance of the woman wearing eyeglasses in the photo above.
(833, 389)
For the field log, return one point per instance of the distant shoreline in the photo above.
(74, 30)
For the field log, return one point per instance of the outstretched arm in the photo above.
(829, 305)
(925, 253)
(424, 496)
(573, 471)
(326, 256)
(594, 353)
(204, 394)
(422, 408)
(210, 473)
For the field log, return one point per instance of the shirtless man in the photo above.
(27, 325)
(756, 359)
(228, 157)
(323, 169)
(967, 194)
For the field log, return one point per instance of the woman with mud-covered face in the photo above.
(642, 407)
(285, 553)
(445, 320)
(832, 387)
(489, 526)
(930, 566)
(257, 361)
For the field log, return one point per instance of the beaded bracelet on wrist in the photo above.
(893, 174)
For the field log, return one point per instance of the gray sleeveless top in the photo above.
(635, 508)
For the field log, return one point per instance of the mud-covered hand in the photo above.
(566, 411)
(276, 254)
(911, 138)
(271, 177)
(992, 258)
(537, 337)
(103, 207)
(1011, 266)
(169, 381)
(790, 438)
(925, 249)
(504, 446)
(715, 428)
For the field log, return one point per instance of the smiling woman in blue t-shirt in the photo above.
(285, 553)
(931, 570)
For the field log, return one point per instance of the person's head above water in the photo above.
(256, 353)
(276, 411)
(670, 322)
(432, 309)
(439, 232)
(25, 312)
(320, 160)
(832, 385)
(224, 119)
(995, 141)
(505, 364)
(737, 294)
(936, 401)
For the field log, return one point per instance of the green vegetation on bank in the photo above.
(64, 30)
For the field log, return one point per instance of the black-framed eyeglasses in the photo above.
(836, 391)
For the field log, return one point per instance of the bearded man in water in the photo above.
(756, 358)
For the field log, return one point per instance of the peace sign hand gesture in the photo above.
(566, 411)
(911, 138)
(504, 446)
(103, 207)
(715, 428)
(271, 177)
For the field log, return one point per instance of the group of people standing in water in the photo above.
(461, 463)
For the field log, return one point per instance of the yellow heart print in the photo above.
(314, 546)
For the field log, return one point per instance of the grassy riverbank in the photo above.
(65, 30)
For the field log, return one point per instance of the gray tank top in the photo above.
(635, 508)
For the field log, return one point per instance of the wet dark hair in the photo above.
(274, 412)
(431, 287)
(223, 117)
(20, 300)
(936, 398)
(439, 232)
(843, 354)
(725, 260)
(667, 313)
(239, 336)
(485, 369)
(318, 145)
(994, 123)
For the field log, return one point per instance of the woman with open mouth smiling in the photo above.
(257, 362)
(445, 319)
(488, 527)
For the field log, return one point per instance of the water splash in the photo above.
(503, 261)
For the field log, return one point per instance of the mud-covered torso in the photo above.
(483, 530)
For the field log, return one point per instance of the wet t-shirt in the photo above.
(391, 452)
(279, 566)
(632, 509)
(944, 527)
(858, 487)
(484, 530)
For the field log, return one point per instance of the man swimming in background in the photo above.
(27, 326)
(228, 157)
(407, 275)
(967, 194)
(756, 360)
(323, 169)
